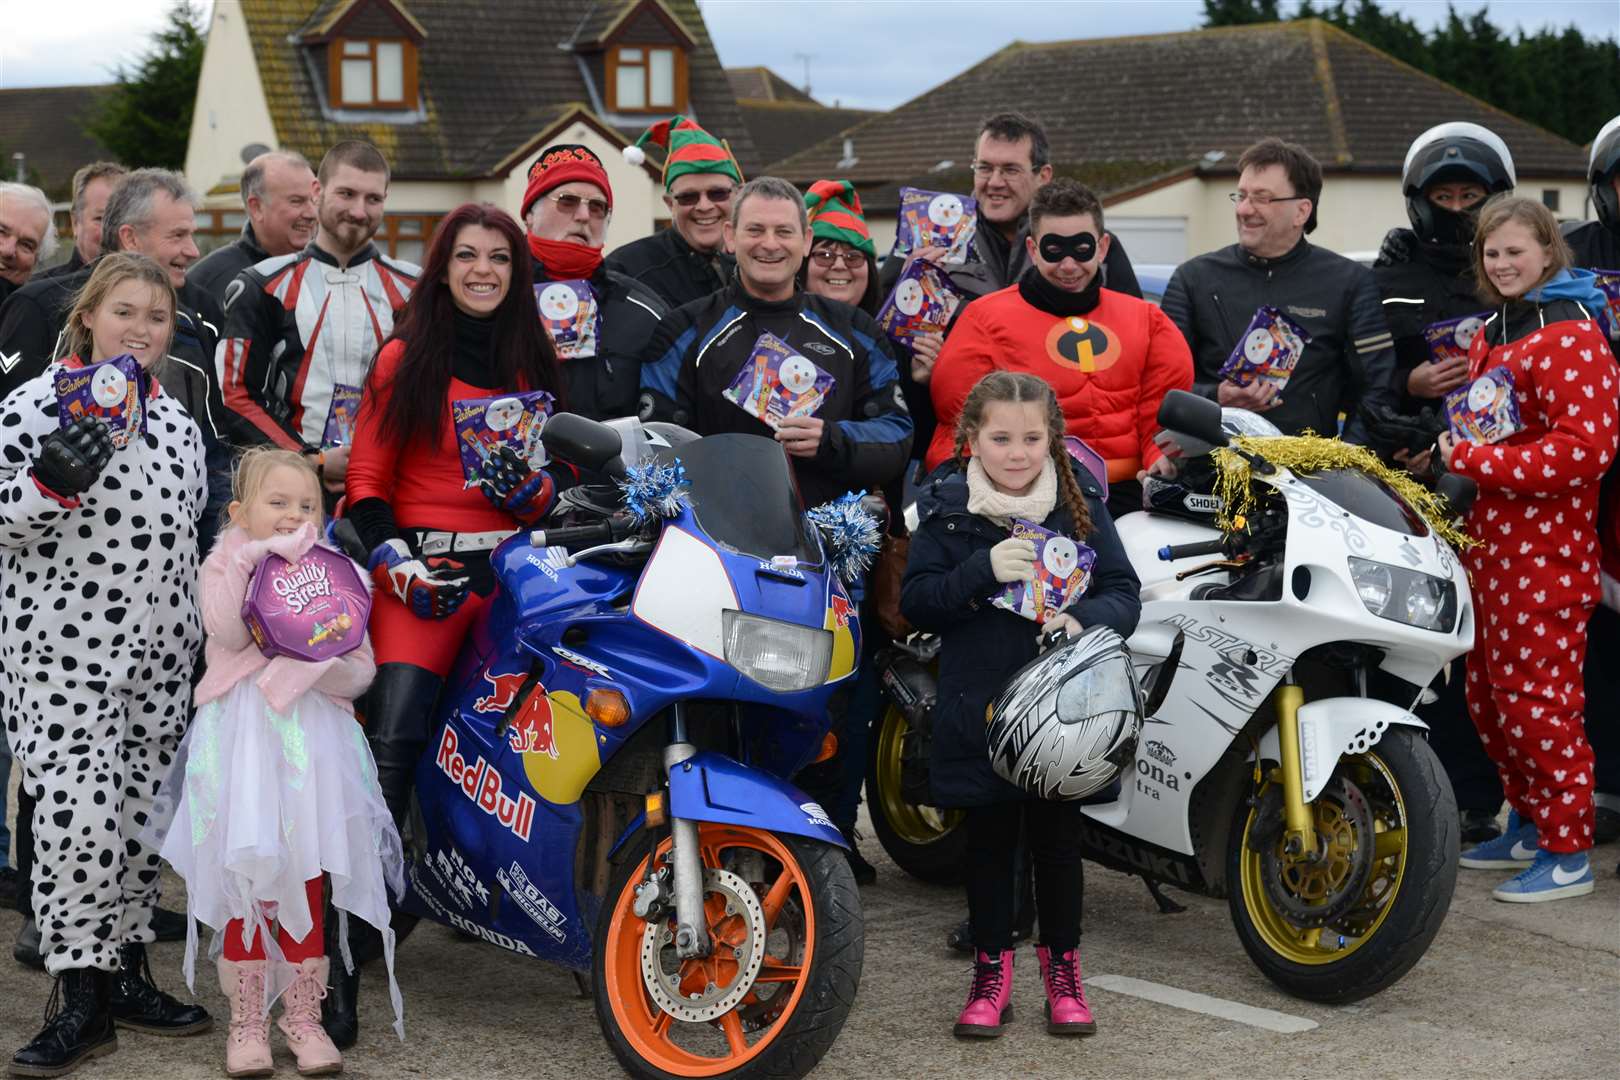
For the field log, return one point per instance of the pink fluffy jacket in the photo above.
(232, 655)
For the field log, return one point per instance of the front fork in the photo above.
(686, 860)
(1299, 837)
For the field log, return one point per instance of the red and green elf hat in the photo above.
(835, 214)
(691, 150)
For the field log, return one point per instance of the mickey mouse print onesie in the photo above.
(99, 633)
(1535, 576)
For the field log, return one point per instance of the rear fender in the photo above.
(712, 787)
(1333, 727)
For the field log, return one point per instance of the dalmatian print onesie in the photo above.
(1535, 577)
(99, 632)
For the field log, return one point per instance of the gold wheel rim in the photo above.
(1313, 945)
(917, 825)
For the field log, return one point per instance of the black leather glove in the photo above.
(70, 459)
(1389, 430)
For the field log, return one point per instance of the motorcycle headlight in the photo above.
(778, 655)
(1405, 596)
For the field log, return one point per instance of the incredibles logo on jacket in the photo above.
(1080, 344)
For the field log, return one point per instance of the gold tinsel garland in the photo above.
(1312, 453)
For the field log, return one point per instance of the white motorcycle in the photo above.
(1269, 771)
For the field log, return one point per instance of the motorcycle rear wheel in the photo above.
(778, 1010)
(1383, 930)
(926, 842)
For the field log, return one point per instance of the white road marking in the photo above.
(1268, 1019)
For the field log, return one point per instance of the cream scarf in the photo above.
(1034, 505)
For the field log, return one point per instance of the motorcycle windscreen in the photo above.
(745, 498)
(1367, 497)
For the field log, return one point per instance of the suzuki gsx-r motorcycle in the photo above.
(1268, 771)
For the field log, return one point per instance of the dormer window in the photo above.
(646, 78)
(367, 73)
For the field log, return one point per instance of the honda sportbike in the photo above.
(607, 783)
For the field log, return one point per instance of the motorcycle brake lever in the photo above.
(1219, 564)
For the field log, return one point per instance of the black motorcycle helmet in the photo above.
(1600, 172)
(1452, 153)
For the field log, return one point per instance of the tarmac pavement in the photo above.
(1506, 990)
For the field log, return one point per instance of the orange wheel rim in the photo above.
(654, 1033)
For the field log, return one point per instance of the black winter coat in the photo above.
(672, 268)
(214, 272)
(947, 589)
(1595, 245)
(1422, 284)
(608, 385)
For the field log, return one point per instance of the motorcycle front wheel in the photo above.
(787, 942)
(1353, 923)
(926, 842)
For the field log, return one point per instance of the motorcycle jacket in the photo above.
(1350, 358)
(1594, 245)
(295, 327)
(608, 385)
(701, 348)
(672, 268)
(214, 272)
(947, 589)
(1421, 284)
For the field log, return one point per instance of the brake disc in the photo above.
(1315, 894)
(697, 991)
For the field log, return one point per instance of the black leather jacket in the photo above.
(672, 268)
(608, 385)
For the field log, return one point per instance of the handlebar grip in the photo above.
(1172, 552)
(572, 536)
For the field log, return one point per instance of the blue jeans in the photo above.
(5, 784)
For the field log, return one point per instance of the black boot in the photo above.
(140, 1006)
(168, 925)
(26, 950)
(399, 709)
(340, 1009)
(78, 1026)
(865, 873)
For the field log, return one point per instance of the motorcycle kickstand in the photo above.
(1167, 906)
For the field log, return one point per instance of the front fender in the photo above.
(712, 787)
(1332, 727)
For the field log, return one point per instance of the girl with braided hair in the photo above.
(1009, 463)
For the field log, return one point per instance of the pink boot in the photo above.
(1066, 1010)
(989, 1003)
(301, 1021)
(247, 1047)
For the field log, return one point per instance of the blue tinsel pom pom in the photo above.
(850, 534)
(653, 491)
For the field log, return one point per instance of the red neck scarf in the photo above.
(564, 261)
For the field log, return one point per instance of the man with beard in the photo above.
(92, 186)
(27, 234)
(301, 329)
(1349, 357)
(688, 260)
(566, 208)
(278, 193)
(1425, 275)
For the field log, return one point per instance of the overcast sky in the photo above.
(83, 41)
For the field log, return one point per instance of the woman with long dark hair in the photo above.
(470, 330)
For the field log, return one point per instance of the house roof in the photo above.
(781, 129)
(44, 124)
(1140, 104)
(492, 74)
(763, 84)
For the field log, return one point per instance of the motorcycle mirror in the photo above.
(581, 441)
(1191, 415)
(1458, 491)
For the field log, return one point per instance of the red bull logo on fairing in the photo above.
(482, 783)
(530, 730)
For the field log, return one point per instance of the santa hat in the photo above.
(561, 164)
(691, 150)
(835, 214)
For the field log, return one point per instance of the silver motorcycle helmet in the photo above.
(1068, 722)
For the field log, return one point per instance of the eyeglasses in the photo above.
(569, 204)
(1262, 199)
(985, 170)
(717, 195)
(827, 258)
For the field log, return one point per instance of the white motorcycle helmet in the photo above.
(1068, 722)
(1456, 151)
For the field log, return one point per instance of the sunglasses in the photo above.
(569, 204)
(827, 258)
(717, 195)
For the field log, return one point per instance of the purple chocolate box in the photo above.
(569, 312)
(109, 391)
(484, 424)
(312, 609)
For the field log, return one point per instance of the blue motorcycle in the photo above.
(607, 783)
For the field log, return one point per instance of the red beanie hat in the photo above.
(562, 164)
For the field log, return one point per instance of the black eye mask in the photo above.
(1081, 247)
